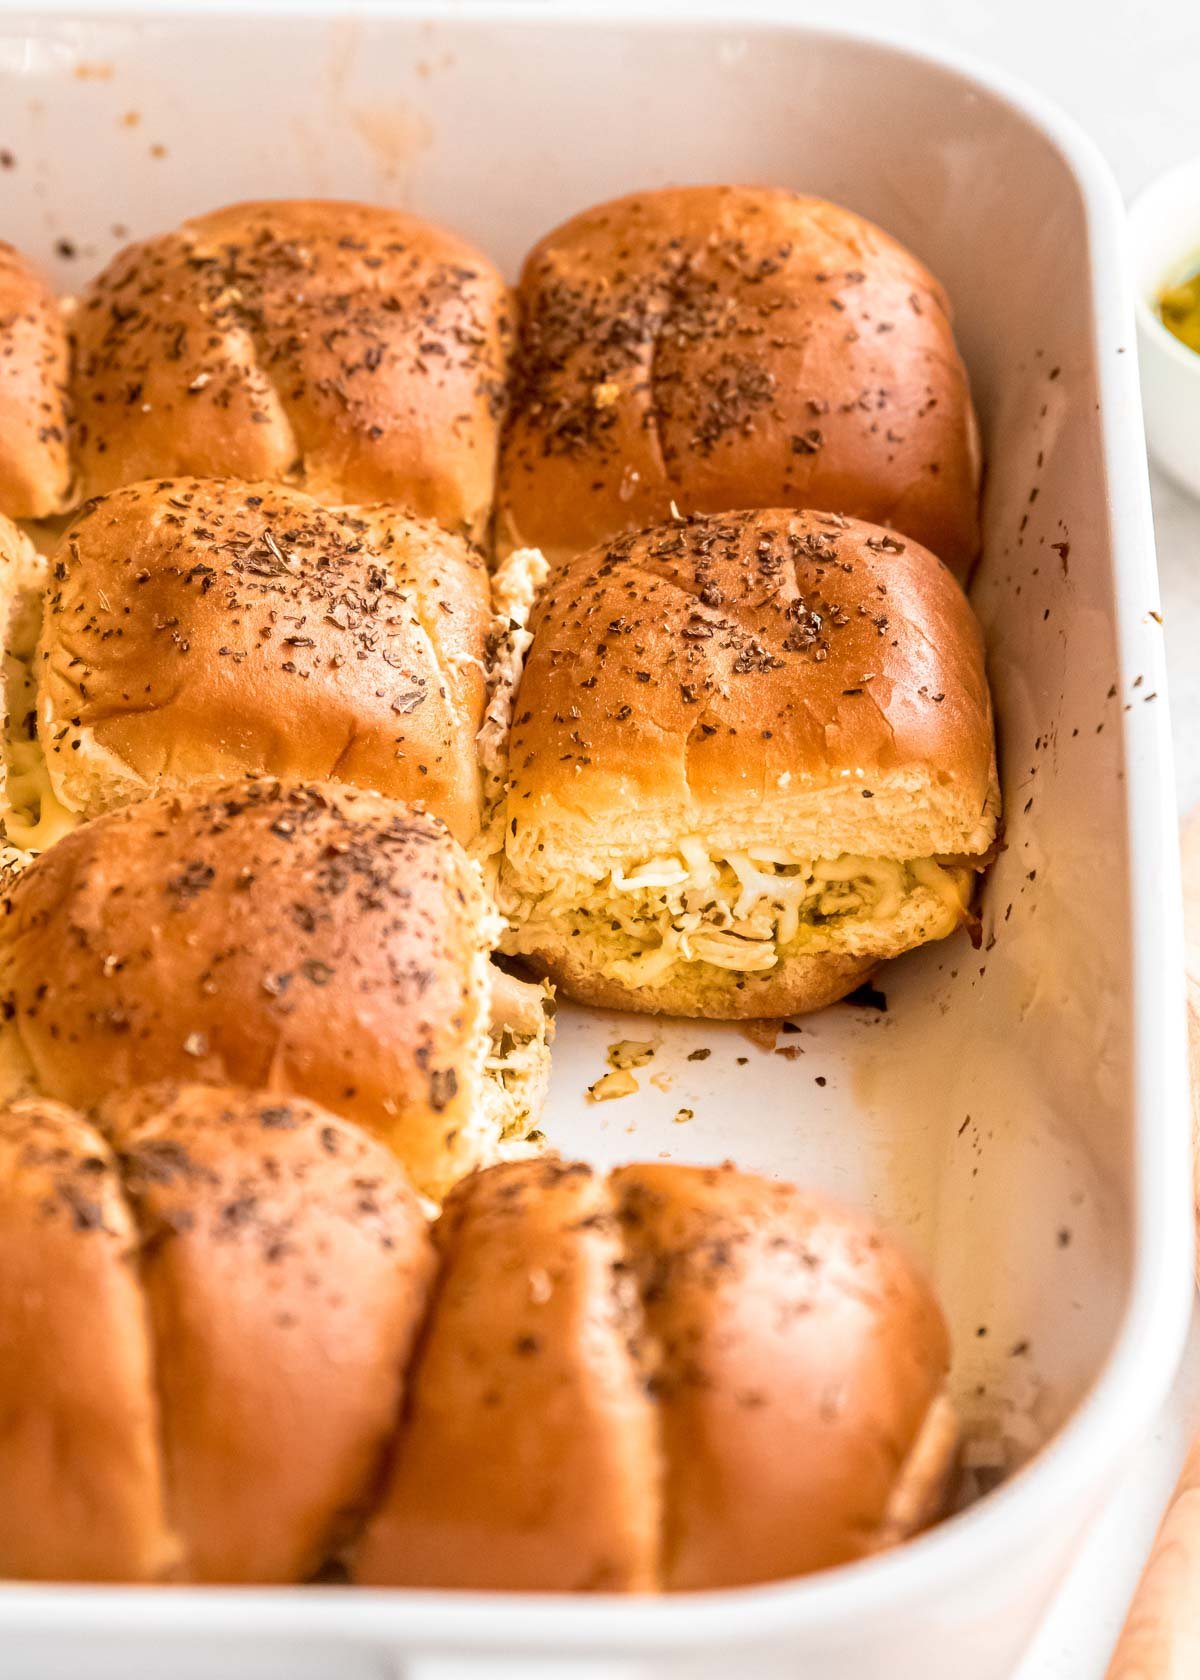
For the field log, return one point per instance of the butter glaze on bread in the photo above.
(197, 628)
(676, 1378)
(210, 1300)
(35, 468)
(303, 939)
(83, 1493)
(733, 347)
(285, 1264)
(353, 350)
(529, 1457)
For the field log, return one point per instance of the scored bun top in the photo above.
(769, 677)
(305, 939)
(83, 1486)
(748, 1370)
(529, 1457)
(729, 347)
(35, 468)
(799, 1356)
(355, 350)
(286, 1264)
(200, 627)
(214, 1300)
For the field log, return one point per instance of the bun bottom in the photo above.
(798, 985)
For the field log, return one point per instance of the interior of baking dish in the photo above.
(1008, 1110)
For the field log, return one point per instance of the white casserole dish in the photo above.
(1020, 1112)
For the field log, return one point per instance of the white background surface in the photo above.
(1129, 73)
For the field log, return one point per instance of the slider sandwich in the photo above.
(210, 1298)
(674, 1378)
(185, 630)
(752, 757)
(305, 939)
(718, 347)
(230, 1352)
(352, 350)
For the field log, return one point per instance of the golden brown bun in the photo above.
(528, 1456)
(724, 347)
(769, 679)
(304, 939)
(800, 1356)
(205, 1334)
(195, 628)
(797, 985)
(35, 468)
(82, 1484)
(357, 351)
(286, 1264)
(748, 1370)
(754, 662)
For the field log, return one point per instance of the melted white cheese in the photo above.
(743, 911)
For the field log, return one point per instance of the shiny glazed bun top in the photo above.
(201, 627)
(303, 939)
(752, 756)
(674, 1378)
(35, 469)
(354, 350)
(210, 1299)
(734, 347)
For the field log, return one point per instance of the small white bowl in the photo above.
(1164, 235)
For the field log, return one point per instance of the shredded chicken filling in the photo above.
(743, 911)
(516, 584)
(33, 815)
(515, 1065)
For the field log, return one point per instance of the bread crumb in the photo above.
(621, 1083)
(630, 1053)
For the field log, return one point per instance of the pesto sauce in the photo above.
(1179, 309)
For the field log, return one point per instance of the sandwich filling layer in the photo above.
(516, 1063)
(33, 816)
(739, 911)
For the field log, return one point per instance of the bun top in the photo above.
(286, 1264)
(800, 1355)
(84, 1498)
(678, 1377)
(35, 471)
(214, 1298)
(200, 627)
(767, 668)
(732, 347)
(302, 939)
(357, 351)
(528, 1459)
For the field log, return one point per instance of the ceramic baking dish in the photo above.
(1018, 1112)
